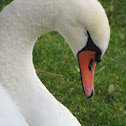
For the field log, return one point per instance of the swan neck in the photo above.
(22, 22)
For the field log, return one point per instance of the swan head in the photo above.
(85, 27)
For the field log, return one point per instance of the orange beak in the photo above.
(87, 67)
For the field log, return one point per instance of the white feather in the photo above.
(21, 23)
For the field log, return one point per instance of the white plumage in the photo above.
(24, 99)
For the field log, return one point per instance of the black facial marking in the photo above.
(98, 57)
(90, 65)
(90, 46)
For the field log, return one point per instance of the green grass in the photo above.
(52, 54)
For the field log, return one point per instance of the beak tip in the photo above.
(90, 94)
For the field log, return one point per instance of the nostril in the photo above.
(91, 94)
(90, 65)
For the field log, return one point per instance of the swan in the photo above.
(25, 100)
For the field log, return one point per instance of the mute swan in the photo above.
(82, 23)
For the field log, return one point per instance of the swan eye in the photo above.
(98, 57)
(90, 65)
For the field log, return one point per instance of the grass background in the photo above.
(57, 68)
